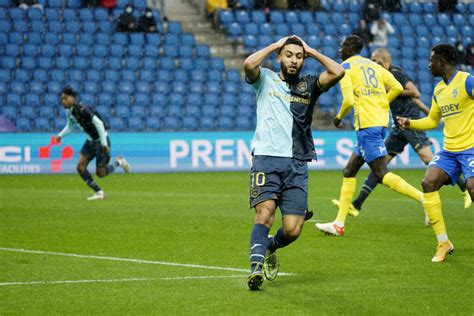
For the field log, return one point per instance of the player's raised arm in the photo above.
(253, 62)
(334, 72)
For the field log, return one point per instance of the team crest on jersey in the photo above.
(255, 191)
(455, 93)
(302, 86)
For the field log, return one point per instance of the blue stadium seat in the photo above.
(66, 50)
(103, 110)
(55, 27)
(117, 50)
(167, 63)
(120, 38)
(142, 99)
(203, 51)
(174, 27)
(51, 100)
(51, 14)
(100, 14)
(12, 50)
(466, 31)
(34, 38)
(16, 38)
(42, 124)
(126, 87)
(90, 27)
(14, 99)
(80, 63)
(51, 38)
(105, 99)
(5, 75)
(152, 50)
(250, 42)
(117, 123)
(27, 111)
(17, 14)
(158, 101)
(73, 26)
(38, 26)
(242, 17)
(132, 63)
(138, 110)
(45, 63)
(282, 29)
(190, 123)
(109, 87)
(226, 17)
(86, 15)
(55, 87)
(135, 124)
(3, 39)
(23, 124)
(17, 86)
(46, 111)
(444, 19)
(5, 26)
(437, 31)
(97, 63)
(206, 123)
(170, 51)
(153, 39)
(142, 86)
(83, 50)
(91, 87)
(149, 63)
(153, 123)
(224, 123)
(266, 29)
(208, 109)
(58, 75)
(197, 87)
(114, 63)
(36, 87)
(171, 124)
(429, 7)
(102, 39)
(322, 18)
(234, 30)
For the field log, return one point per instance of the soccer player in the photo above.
(453, 100)
(97, 144)
(281, 147)
(407, 104)
(364, 87)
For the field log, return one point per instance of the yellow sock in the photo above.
(397, 184)
(345, 199)
(432, 205)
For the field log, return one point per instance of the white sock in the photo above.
(442, 237)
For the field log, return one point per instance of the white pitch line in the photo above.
(123, 280)
(163, 263)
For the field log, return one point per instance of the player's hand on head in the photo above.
(281, 42)
(305, 45)
(337, 122)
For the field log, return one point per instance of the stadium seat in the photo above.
(242, 17)
(20, 26)
(190, 123)
(23, 124)
(38, 26)
(226, 17)
(116, 123)
(86, 39)
(35, 38)
(27, 111)
(105, 99)
(142, 99)
(136, 124)
(12, 50)
(171, 124)
(224, 123)
(153, 123)
(46, 112)
(42, 124)
(40, 75)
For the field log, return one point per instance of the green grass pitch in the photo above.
(179, 244)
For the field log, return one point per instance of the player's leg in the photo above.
(265, 188)
(466, 159)
(86, 155)
(103, 165)
(369, 185)
(433, 180)
(348, 187)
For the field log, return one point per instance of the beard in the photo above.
(288, 76)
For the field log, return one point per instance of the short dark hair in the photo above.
(354, 43)
(291, 40)
(69, 91)
(447, 52)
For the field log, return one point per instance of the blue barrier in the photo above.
(174, 152)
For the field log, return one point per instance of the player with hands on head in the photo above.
(282, 146)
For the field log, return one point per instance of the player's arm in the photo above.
(253, 62)
(426, 123)
(410, 91)
(334, 72)
(392, 85)
(99, 125)
(421, 105)
(347, 91)
(66, 130)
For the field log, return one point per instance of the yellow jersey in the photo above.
(364, 87)
(454, 102)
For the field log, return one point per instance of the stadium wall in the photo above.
(173, 152)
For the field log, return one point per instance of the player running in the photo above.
(364, 87)
(407, 104)
(453, 100)
(96, 146)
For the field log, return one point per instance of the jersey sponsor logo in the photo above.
(455, 93)
(289, 98)
(450, 109)
(302, 86)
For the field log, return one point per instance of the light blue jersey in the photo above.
(284, 116)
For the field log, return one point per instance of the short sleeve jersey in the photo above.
(284, 116)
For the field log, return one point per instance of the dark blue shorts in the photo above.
(455, 163)
(94, 149)
(370, 143)
(398, 139)
(282, 179)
